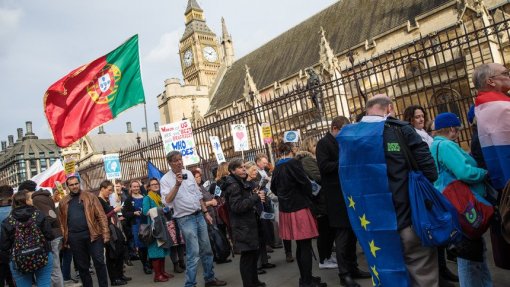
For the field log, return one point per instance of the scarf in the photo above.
(156, 197)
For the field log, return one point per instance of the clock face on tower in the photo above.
(188, 58)
(210, 54)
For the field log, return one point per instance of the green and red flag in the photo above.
(94, 93)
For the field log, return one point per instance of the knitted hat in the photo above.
(471, 114)
(446, 120)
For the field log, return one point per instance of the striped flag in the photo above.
(47, 178)
(492, 111)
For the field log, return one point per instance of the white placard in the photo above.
(179, 136)
(218, 151)
(240, 136)
(291, 136)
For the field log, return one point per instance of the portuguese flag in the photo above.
(94, 94)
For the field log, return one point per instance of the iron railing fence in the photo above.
(432, 71)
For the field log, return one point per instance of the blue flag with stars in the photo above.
(153, 171)
(365, 187)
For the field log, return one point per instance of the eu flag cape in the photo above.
(153, 171)
(364, 180)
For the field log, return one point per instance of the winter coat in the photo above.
(397, 166)
(242, 203)
(154, 250)
(327, 152)
(43, 201)
(454, 163)
(22, 214)
(128, 211)
(292, 186)
(312, 171)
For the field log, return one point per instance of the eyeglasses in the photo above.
(154, 184)
(504, 74)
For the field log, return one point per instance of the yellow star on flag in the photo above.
(364, 221)
(376, 274)
(373, 248)
(352, 203)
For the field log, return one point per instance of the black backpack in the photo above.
(219, 244)
(29, 252)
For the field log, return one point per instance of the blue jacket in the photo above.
(453, 163)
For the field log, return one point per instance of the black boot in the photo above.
(346, 280)
(146, 269)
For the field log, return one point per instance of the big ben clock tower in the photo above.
(198, 49)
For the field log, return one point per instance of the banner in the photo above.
(267, 136)
(179, 136)
(218, 151)
(112, 166)
(240, 136)
(291, 136)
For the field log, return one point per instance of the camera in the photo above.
(184, 176)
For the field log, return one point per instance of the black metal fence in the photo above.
(433, 71)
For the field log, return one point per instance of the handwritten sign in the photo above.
(179, 136)
(267, 136)
(218, 151)
(240, 136)
(112, 166)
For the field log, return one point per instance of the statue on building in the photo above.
(314, 89)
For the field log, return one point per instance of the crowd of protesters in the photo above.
(253, 207)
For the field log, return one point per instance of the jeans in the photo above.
(42, 276)
(194, 230)
(474, 274)
(83, 250)
(67, 258)
(57, 280)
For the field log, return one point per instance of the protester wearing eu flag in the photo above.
(374, 178)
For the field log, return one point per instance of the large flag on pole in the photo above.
(47, 178)
(94, 93)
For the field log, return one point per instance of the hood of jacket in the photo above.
(23, 213)
(41, 192)
(302, 154)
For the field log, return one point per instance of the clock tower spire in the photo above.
(198, 48)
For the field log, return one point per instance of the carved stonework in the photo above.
(327, 60)
(250, 91)
(195, 112)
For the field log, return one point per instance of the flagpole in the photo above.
(146, 125)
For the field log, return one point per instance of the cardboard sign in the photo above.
(218, 151)
(112, 166)
(240, 136)
(267, 136)
(291, 136)
(179, 136)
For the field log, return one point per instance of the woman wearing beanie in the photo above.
(453, 163)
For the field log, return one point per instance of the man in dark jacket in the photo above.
(421, 262)
(327, 153)
(43, 201)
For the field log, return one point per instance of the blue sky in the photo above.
(41, 41)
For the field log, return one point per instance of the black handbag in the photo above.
(145, 234)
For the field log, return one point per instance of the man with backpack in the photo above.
(85, 229)
(374, 175)
(43, 202)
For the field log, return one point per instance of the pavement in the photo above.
(283, 275)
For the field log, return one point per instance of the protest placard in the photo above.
(179, 136)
